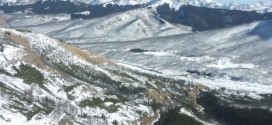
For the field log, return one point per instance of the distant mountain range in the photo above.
(156, 17)
(261, 7)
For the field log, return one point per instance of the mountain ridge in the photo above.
(261, 7)
(43, 81)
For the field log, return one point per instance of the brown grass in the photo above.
(158, 97)
(148, 120)
(88, 56)
(30, 56)
(18, 40)
(192, 94)
(65, 121)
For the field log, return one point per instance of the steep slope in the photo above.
(45, 81)
(33, 67)
(40, 76)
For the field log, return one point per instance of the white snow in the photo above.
(186, 112)
(172, 56)
(108, 103)
(255, 96)
(87, 92)
(145, 109)
(15, 83)
(158, 53)
(235, 85)
(85, 13)
(225, 63)
(123, 26)
(14, 118)
(10, 55)
(42, 45)
(198, 59)
(240, 53)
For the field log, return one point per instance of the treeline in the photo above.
(221, 112)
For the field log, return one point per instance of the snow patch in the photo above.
(85, 13)
(158, 53)
(225, 63)
(186, 112)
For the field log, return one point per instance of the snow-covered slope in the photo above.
(45, 81)
(175, 4)
(235, 58)
(183, 53)
(129, 25)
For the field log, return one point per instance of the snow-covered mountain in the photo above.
(129, 25)
(46, 81)
(138, 21)
(40, 77)
(142, 62)
(237, 60)
(175, 4)
(139, 62)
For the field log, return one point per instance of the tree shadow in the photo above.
(263, 30)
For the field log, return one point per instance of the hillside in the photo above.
(45, 81)
(129, 25)
(235, 58)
